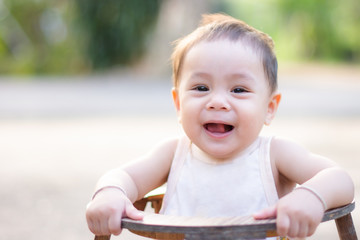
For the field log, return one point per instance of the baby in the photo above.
(225, 90)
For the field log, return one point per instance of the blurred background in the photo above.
(85, 87)
(80, 37)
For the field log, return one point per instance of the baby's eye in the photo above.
(239, 90)
(201, 88)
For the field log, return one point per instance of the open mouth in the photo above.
(218, 127)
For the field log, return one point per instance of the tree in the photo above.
(115, 32)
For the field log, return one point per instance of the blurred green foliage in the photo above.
(116, 31)
(67, 37)
(325, 30)
(36, 38)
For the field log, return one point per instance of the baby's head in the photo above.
(219, 27)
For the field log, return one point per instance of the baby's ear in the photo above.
(176, 99)
(175, 95)
(272, 107)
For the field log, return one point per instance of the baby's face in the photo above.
(223, 97)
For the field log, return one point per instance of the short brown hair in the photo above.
(221, 26)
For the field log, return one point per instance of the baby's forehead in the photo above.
(243, 43)
(235, 32)
(223, 47)
(223, 51)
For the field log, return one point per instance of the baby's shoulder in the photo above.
(168, 145)
(284, 147)
(294, 161)
(286, 160)
(287, 154)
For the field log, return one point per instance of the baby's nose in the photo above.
(218, 102)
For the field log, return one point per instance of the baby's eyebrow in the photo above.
(202, 75)
(241, 75)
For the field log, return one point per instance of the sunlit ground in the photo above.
(57, 138)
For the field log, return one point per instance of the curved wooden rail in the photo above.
(159, 226)
(173, 227)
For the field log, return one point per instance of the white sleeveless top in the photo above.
(199, 186)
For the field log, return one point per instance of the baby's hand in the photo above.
(104, 212)
(297, 214)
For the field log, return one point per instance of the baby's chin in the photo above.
(220, 153)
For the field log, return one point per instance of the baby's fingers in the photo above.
(114, 224)
(97, 227)
(92, 221)
(283, 224)
(266, 213)
(293, 226)
(133, 213)
(91, 225)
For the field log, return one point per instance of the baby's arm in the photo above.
(300, 212)
(117, 189)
